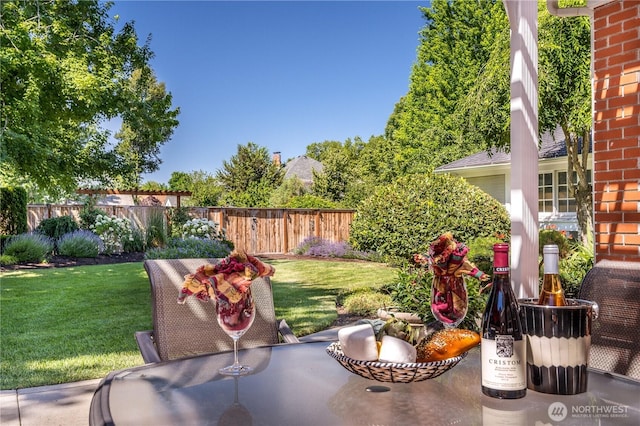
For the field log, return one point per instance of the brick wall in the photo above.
(616, 149)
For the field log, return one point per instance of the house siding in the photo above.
(616, 149)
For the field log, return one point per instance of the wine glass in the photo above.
(235, 318)
(449, 299)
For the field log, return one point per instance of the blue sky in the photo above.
(282, 74)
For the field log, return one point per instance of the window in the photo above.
(564, 202)
(545, 193)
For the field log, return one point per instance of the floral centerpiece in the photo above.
(447, 259)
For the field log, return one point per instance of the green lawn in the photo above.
(69, 324)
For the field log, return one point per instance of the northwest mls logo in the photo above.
(557, 411)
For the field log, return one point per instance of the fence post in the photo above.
(285, 231)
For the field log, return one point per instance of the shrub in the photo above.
(403, 217)
(202, 228)
(29, 247)
(5, 260)
(366, 302)
(316, 246)
(13, 211)
(156, 233)
(80, 243)
(89, 213)
(178, 216)
(135, 244)
(411, 292)
(178, 248)
(56, 227)
(573, 269)
(113, 231)
(481, 253)
(552, 236)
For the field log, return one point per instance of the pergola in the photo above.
(177, 194)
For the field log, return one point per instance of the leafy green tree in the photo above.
(290, 188)
(334, 182)
(65, 70)
(249, 177)
(148, 123)
(152, 185)
(206, 190)
(181, 181)
(454, 45)
(564, 100)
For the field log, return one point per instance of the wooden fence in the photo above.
(257, 230)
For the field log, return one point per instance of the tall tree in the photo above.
(454, 45)
(340, 172)
(147, 124)
(64, 71)
(564, 100)
(249, 176)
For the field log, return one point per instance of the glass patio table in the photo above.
(300, 384)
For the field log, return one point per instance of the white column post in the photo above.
(523, 19)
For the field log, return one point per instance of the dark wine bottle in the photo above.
(552, 293)
(504, 370)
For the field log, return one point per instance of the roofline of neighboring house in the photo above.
(503, 164)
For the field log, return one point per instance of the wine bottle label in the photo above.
(504, 363)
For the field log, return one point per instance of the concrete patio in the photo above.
(65, 405)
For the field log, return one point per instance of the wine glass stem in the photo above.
(235, 353)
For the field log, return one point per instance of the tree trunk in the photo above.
(581, 191)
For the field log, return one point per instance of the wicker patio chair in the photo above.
(192, 329)
(615, 287)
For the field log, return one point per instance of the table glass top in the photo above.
(302, 385)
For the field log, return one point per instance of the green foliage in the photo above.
(89, 213)
(136, 243)
(309, 201)
(6, 259)
(365, 302)
(402, 218)
(178, 248)
(29, 247)
(455, 44)
(113, 231)
(156, 232)
(289, 189)
(80, 243)
(13, 211)
(333, 182)
(177, 218)
(206, 190)
(573, 269)
(148, 123)
(56, 227)
(552, 236)
(411, 292)
(249, 177)
(481, 252)
(67, 66)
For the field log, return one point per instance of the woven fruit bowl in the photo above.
(393, 372)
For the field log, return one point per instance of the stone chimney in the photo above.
(277, 159)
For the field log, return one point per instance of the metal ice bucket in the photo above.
(558, 343)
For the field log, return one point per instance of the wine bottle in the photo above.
(552, 293)
(504, 370)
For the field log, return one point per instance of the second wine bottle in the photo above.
(504, 370)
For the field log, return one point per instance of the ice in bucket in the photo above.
(558, 342)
